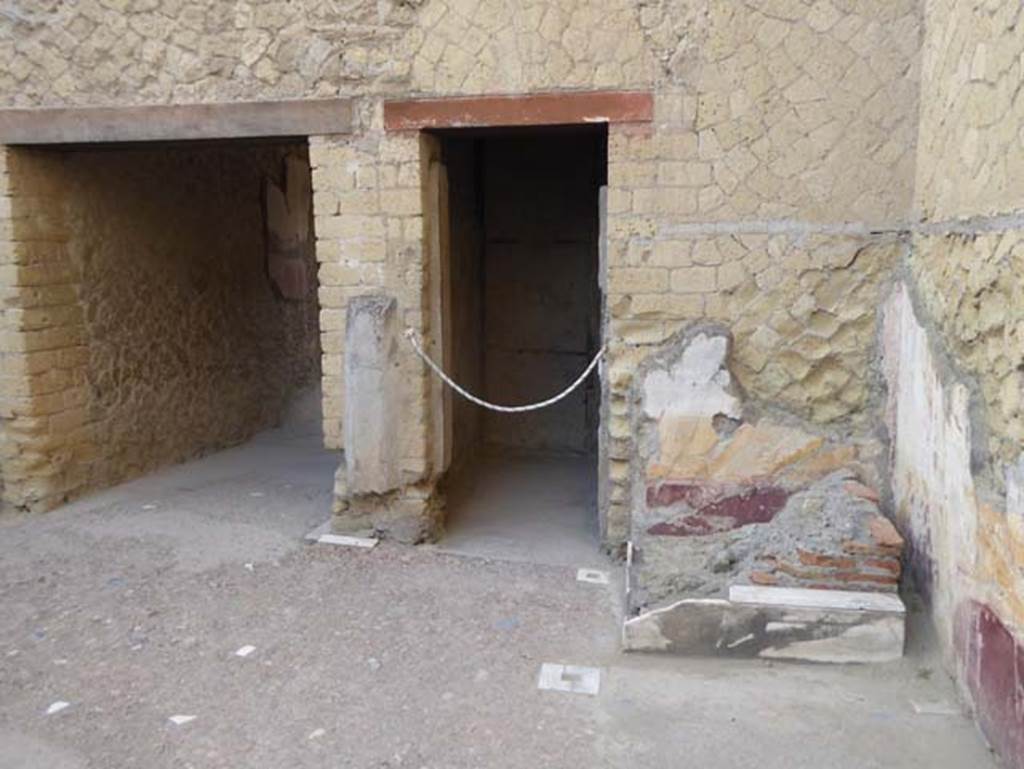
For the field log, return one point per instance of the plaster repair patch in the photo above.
(569, 678)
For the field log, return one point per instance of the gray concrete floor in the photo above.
(130, 605)
(531, 509)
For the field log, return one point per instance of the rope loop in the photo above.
(410, 334)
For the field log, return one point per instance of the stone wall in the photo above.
(100, 52)
(368, 205)
(954, 343)
(762, 196)
(140, 292)
(786, 118)
(792, 142)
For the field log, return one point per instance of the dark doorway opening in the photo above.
(524, 319)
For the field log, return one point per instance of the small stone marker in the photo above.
(181, 720)
(569, 678)
(594, 576)
(346, 541)
(245, 651)
(57, 707)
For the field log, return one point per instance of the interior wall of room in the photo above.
(191, 345)
(465, 272)
(156, 305)
(540, 293)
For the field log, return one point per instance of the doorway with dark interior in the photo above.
(520, 210)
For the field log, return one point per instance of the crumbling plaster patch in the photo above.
(696, 385)
(971, 286)
(721, 494)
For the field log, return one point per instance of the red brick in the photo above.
(884, 533)
(763, 578)
(867, 549)
(859, 576)
(891, 565)
(841, 579)
(829, 561)
(858, 489)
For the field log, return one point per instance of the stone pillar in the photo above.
(46, 439)
(372, 393)
(368, 202)
(371, 489)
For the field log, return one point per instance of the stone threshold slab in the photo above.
(776, 623)
(806, 598)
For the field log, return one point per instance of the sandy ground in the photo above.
(130, 605)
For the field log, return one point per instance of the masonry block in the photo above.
(372, 393)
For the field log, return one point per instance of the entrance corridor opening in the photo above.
(524, 319)
(190, 306)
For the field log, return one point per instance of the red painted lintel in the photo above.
(571, 108)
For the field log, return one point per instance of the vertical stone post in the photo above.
(368, 197)
(372, 395)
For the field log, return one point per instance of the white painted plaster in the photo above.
(929, 427)
(696, 385)
(798, 597)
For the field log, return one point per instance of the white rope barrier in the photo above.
(410, 334)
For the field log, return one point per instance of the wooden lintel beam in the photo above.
(82, 125)
(542, 109)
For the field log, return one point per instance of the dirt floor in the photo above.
(130, 606)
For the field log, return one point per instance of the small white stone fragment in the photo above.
(149, 507)
(594, 576)
(569, 678)
(341, 539)
(57, 707)
(250, 567)
(181, 720)
(245, 651)
(317, 734)
(257, 494)
(938, 708)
